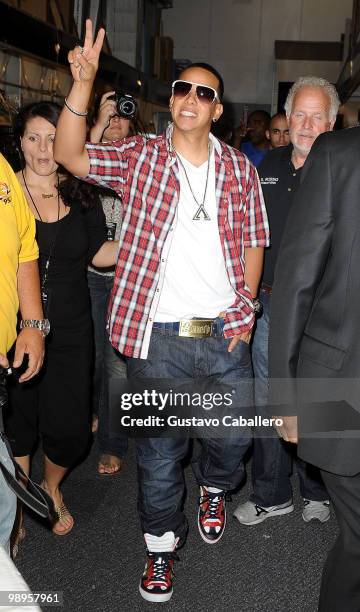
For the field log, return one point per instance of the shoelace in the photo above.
(214, 499)
(161, 564)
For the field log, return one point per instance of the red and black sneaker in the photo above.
(156, 583)
(212, 515)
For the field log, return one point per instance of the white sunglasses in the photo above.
(204, 93)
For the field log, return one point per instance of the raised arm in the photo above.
(69, 146)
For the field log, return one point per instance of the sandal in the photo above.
(62, 512)
(106, 463)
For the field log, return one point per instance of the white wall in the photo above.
(237, 36)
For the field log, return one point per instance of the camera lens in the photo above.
(126, 108)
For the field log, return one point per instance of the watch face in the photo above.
(45, 326)
(257, 306)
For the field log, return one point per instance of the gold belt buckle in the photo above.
(195, 328)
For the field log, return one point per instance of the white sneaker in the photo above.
(250, 513)
(318, 510)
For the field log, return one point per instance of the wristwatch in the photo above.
(42, 325)
(257, 305)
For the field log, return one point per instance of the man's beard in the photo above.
(303, 149)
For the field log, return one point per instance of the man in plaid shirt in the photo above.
(182, 306)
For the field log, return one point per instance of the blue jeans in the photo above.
(272, 458)
(8, 500)
(108, 363)
(220, 462)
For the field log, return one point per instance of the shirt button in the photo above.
(150, 320)
(294, 173)
(157, 290)
(163, 261)
(289, 188)
(171, 229)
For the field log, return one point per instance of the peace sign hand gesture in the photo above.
(84, 60)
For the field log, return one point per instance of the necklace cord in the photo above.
(45, 274)
(32, 199)
(201, 207)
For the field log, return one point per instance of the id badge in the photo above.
(111, 229)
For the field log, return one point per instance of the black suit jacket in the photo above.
(315, 305)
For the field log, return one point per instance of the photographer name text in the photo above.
(177, 421)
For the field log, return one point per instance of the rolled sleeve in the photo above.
(240, 319)
(109, 162)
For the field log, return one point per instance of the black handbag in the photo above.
(34, 495)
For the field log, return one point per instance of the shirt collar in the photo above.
(287, 157)
(171, 153)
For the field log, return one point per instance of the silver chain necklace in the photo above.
(201, 207)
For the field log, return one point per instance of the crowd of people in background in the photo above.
(130, 250)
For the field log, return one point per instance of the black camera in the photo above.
(125, 105)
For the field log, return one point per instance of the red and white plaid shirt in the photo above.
(145, 174)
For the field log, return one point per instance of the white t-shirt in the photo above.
(196, 283)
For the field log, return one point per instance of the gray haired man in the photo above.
(311, 108)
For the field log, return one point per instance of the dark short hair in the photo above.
(263, 113)
(47, 110)
(213, 71)
(279, 114)
(72, 190)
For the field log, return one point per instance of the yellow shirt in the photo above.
(17, 245)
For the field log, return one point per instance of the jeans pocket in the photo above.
(240, 362)
(241, 351)
(136, 367)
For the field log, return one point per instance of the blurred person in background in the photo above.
(223, 129)
(70, 231)
(109, 126)
(278, 132)
(251, 139)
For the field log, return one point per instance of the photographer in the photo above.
(115, 118)
(114, 121)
